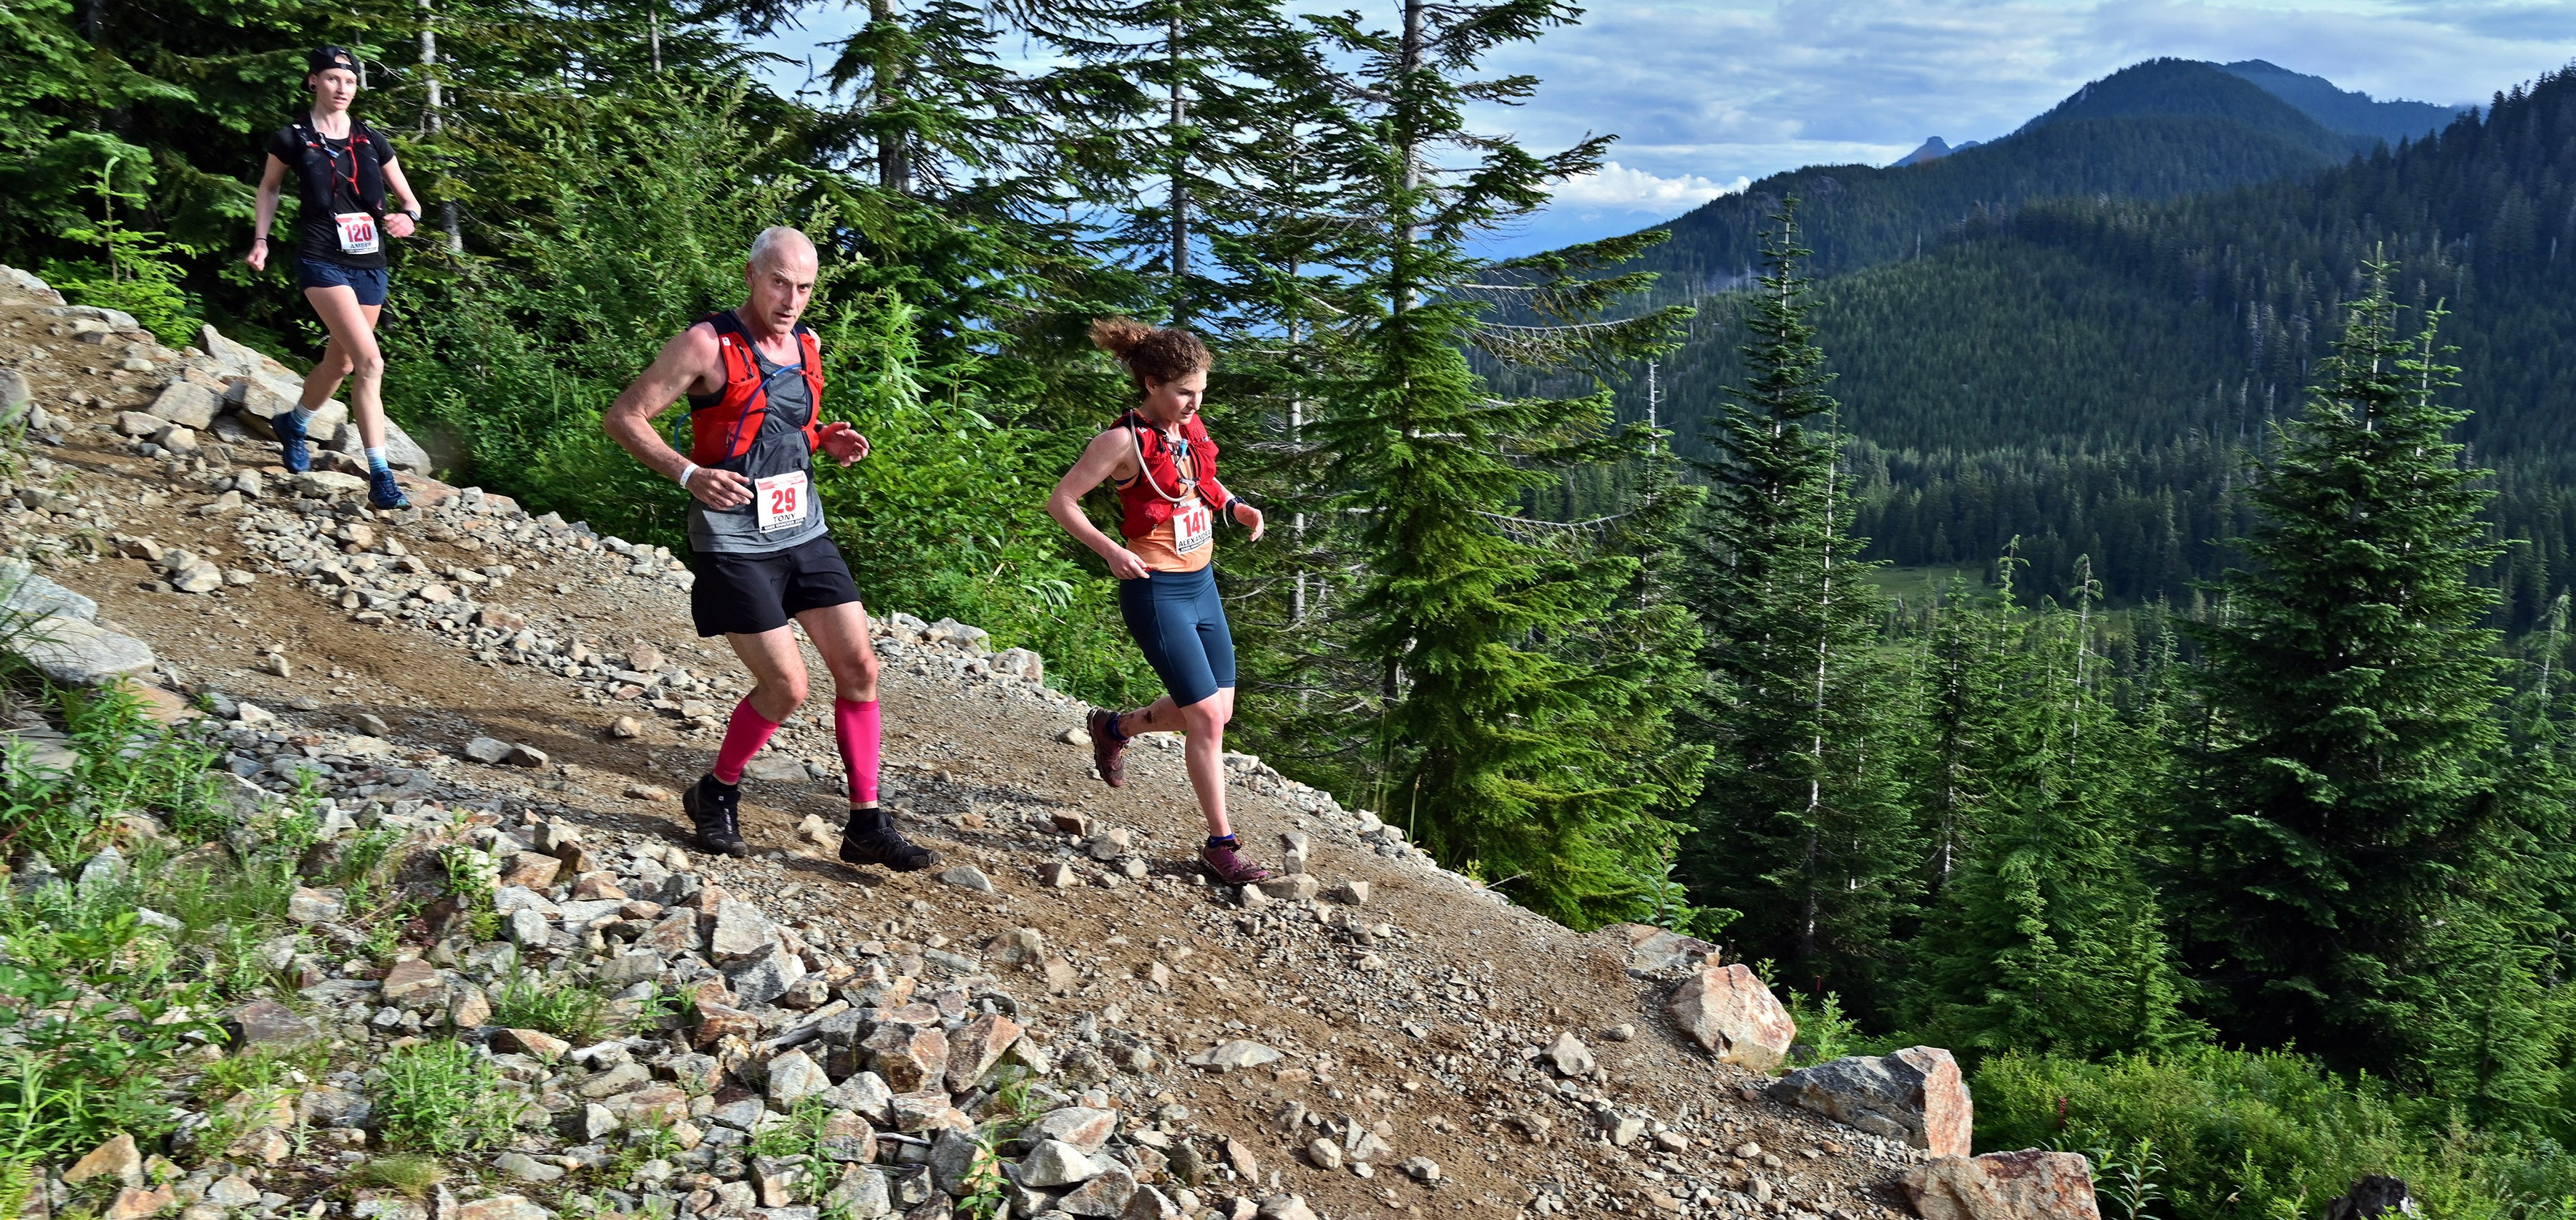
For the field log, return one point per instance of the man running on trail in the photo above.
(754, 379)
(1164, 466)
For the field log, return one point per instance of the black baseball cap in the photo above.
(324, 59)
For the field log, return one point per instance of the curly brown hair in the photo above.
(1151, 353)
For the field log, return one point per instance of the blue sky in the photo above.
(1708, 94)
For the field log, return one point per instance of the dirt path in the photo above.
(1417, 1014)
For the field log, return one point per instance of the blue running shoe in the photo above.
(383, 492)
(291, 439)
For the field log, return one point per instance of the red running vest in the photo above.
(1145, 501)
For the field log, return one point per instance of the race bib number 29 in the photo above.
(782, 500)
(357, 232)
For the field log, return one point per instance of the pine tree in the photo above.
(1517, 721)
(1802, 824)
(2048, 936)
(2336, 807)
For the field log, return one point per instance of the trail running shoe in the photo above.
(1224, 858)
(1107, 749)
(383, 492)
(871, 838)
(297, 448)
(715, 816)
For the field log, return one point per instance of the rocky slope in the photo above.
(1063, 1019)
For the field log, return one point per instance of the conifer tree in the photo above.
(1516, 721)
(2336, 808)
(1802, 824)
(2048, 936)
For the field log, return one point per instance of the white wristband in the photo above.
(685, 472)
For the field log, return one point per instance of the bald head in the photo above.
(781, 247)
(780, 279)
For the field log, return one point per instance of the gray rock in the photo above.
(1285, 1207)
(742, 933)
(268, 1024)
(491, 751)
(953, 1155)
(1570, 1056)
(967, 876)
(1914, 1095)
(529, 930)
(78, 652)
(527, 1168)
(1054, 1163)
(861, 1194)
(186, 404)
(25, 592)
(865, 1094)
(1325, 1154)
(1081, 1126)
(633, 966)
(14, 395)
(1106, 1194)
(1239, 1053)
(793, 1077)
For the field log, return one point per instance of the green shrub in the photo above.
(439, 1097)
(2246, 1135)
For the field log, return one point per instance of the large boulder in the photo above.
(24, 592)
(1914, 1095)
(1653, 950)
(1728, 1011)
(78, 652)
(2025, 1185)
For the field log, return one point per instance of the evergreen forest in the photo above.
(2096, 601)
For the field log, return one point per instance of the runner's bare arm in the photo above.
(272, 181)
(400, 223)
(688, 362)
(1105, 457)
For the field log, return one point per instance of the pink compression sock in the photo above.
(744, 735)
(860, 733)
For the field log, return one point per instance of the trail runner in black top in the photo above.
(343, 171)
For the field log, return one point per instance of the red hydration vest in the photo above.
(1147, 500)
(724, 427)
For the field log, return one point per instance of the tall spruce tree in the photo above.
(2331, 820)
(1802, 824)
(1515, 720)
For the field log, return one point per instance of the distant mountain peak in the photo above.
(2348, 112)
(1934, 148)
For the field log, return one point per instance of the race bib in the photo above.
(782, 500)
(1191, 524)
(357, 232)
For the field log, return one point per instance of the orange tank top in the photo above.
(1182, 542)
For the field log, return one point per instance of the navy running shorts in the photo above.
(746, 594)
(1176, 619)
(370, 283)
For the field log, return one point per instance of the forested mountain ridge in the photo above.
(2088, 376)
(2349, 111)
(2154, 130)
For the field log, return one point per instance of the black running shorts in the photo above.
(749, 594)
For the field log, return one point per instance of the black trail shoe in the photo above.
(715, 815)
(872, 839)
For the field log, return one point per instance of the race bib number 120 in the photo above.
(782, 500)
(357, 232)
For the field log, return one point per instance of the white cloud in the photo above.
(1616, 187)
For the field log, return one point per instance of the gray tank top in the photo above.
(778, 450)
